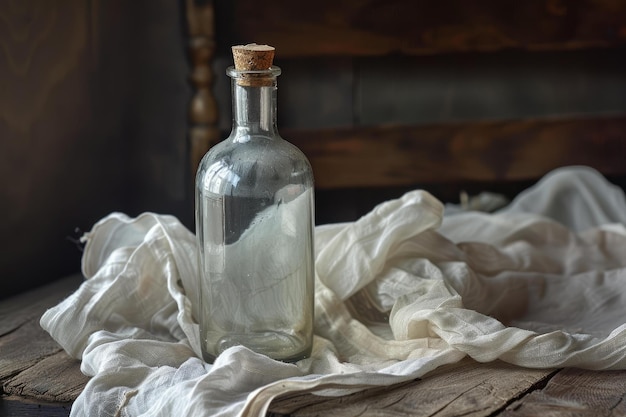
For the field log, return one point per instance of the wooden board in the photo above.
(24, 348)
(25, 307)
(462, 388)
(39, 379)
(12, 406)
(35, 372)
(370, 27)
(56, 378)
(476, 151)
(576, 392)
(471, 389)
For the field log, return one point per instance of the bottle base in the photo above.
(278, 346)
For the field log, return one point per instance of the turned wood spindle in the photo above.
(203, 132)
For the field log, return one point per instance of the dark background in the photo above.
(94, 101)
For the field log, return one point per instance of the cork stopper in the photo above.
(253, 57)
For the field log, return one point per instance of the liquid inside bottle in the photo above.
(254, 223)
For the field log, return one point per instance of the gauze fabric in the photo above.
(399, 292)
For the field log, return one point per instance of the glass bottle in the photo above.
(254, 225)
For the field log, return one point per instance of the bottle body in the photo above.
(254, 224)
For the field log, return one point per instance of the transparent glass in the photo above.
(254, 224)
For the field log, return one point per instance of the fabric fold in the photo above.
(399, 292)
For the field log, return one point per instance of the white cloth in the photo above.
(399, 292)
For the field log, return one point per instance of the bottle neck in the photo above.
(254, 103)
(254, 109)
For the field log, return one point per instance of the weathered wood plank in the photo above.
(374, 27)
(19, 309)
(32, 364)
(23, 348)
(576, 392)
(515, 150)
(57, 379)
(411, 90)
(467, 388)
(20, 407)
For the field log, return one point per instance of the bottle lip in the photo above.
(271, 72)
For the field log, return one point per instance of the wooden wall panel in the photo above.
(444, 93)
(392, 156)
(506, 85)
(373, 27)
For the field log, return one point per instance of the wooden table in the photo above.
(39, 379)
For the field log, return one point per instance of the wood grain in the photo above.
(576, 392)
(16, 311)
(56, 378)
(12, 406)
(23, 348)
(38, 378)
(464, 388)
(372, 27)
(32, 364)
(515, 150)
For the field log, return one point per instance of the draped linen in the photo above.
(403, 290)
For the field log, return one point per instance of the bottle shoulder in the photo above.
(256, 163)
(260, 149)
